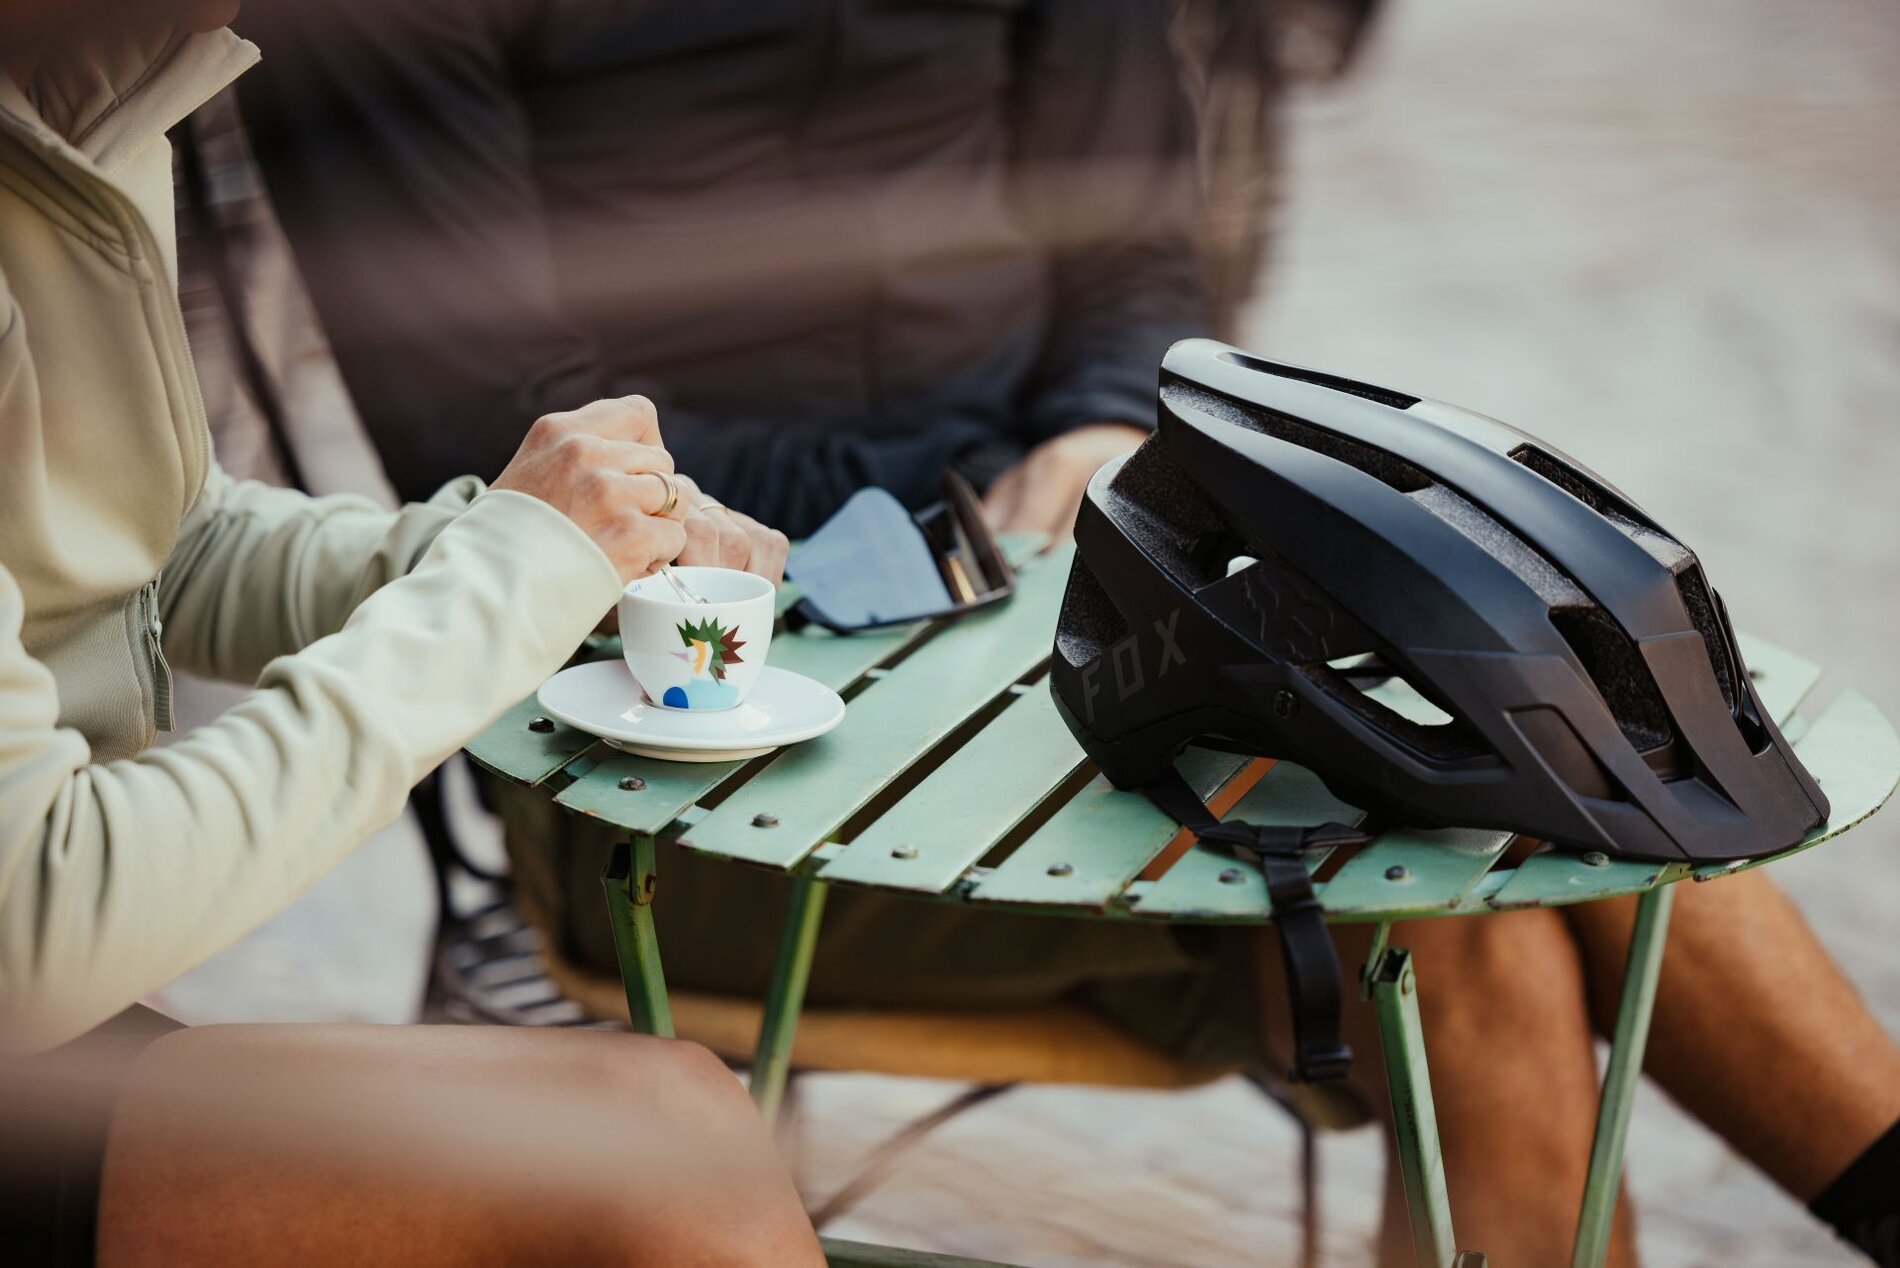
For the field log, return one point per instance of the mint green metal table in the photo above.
(952, 779)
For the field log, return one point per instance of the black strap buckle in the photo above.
(1315, 1064)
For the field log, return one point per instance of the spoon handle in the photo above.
(679, 587)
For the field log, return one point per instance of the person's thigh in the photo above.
(305, 1145)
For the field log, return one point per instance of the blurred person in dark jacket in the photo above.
(838, 243)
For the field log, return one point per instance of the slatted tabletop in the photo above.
(952, 777)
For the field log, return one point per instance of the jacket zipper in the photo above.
(164, 716)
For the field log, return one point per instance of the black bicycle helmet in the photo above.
(1283, 528)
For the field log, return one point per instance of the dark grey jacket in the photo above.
(839, 241)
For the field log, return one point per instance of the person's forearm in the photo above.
(116, 877)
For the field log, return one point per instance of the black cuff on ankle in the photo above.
(1863, 1203)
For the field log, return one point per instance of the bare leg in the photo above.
(1756, 1033)
(310, 1145)
(1513, 1073)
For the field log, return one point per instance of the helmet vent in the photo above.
(1155, 502)
(1700, 602)
(1611, 660)
(1386, 467)
(1375, 676)
(1397, 400)
(1090, 623)
(1380, 693)
(1577, 484)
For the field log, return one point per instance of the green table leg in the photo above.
(785, 997)
(1647, 940)
(1414, 1118)
(629, 880)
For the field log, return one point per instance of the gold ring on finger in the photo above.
(672, 494)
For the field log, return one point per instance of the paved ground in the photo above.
(1667, 237)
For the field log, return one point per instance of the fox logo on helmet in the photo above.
(1125, 664)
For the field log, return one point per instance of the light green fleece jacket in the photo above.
(378, 642)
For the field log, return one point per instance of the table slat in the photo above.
(1097, 843)
(1552, 877)
(512, 751)
(814, 788)
(661, 793)
(1287, 795)
(968, 804)
(1414, 871)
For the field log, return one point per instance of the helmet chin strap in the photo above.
(1315, 990)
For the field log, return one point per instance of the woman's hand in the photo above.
(720, 536)
(604, 467)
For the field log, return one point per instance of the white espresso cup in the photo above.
(697, 656)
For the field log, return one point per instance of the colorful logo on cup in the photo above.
(708, 650)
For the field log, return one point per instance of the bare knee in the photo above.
(670, 1081)
(1495, 964)
(726, 1199)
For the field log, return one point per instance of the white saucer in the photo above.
(602, 699)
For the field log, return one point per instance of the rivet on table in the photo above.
(1232, 876)
(1398, 872)
(903, 851)
(632, 783)
(1596, 858)
(540, 726)
(764, 820)
(1061, 869)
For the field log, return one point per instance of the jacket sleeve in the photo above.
(259, 572)
(117, 876)
(1107, 178)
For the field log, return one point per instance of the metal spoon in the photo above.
(679, 587)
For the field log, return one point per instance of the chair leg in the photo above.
(877, 1167)
(1309, 1170)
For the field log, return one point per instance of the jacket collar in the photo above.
(105, 103)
